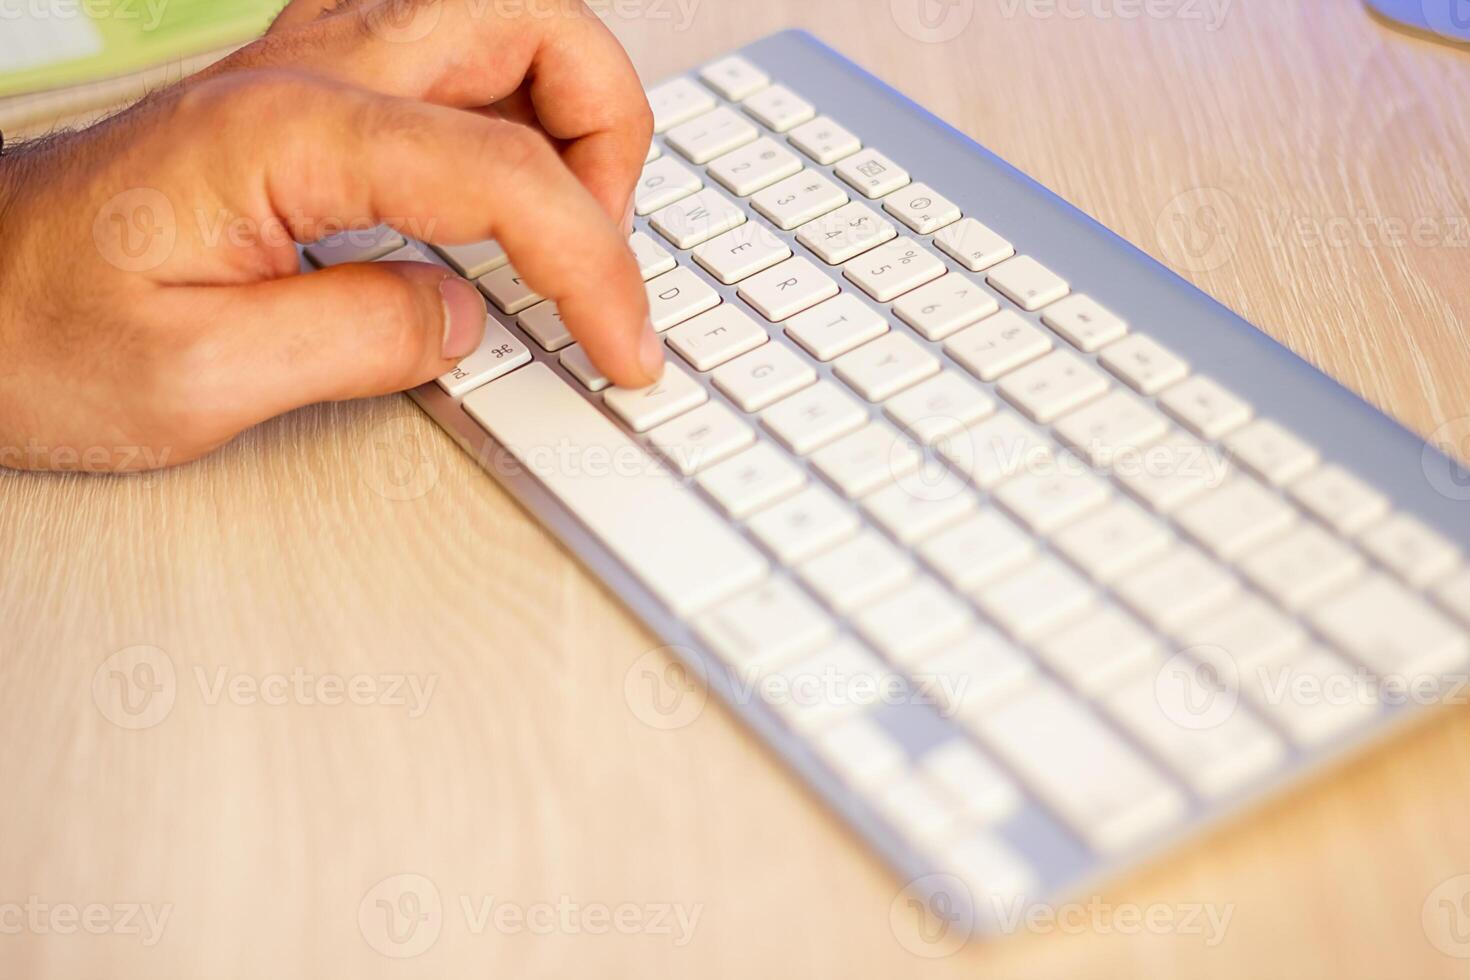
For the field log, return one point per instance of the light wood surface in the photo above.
(357, 540)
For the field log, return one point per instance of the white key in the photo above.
(911, 517)
(824, 140)
(949, 303)
(1249, 630)
(499, 353)
(1307, 565)
(1050, 501)
(713, 134)
(967, 678)
(839, 681)
(997, 344)
(972, 782)
(778, 108)
(355, 245)
(580, 366)
(846, 233)
(415, 252)
(995, 450)
(941, 406)
(1097, 653)
(677, 101)
(922, 208)
(1171, 472)
(741, 253)
(1181, 586)
(1205, 408)
(882, 368)
(663, 182)
(754, 167)
(1118, 425)
(978, 550)
(917, 618)
(1143, 364)
(1314, 694)
(643, 408)
(835, 327)
(1340, 500)
(973, 245)
(854, 574)
(1102, 788)
(1270, 452)
(1411, 550)
(1392, 631)
(766, 627)
(654, 152)
(716, 336)
(860, 752)
(734, 77)
(813, 417)
(532, 409)
(990, 869)
(872, 174)
(787, 289)
(892, 269)
(763, 377)
(859, 463)
(1115, 540)
(1175, 715)
(701, 437)
(507, 291)
(1042, 596)
(1454, 595)
(696, 219)
(805, 525)
(678, 296)
(543, 322)
(1027, 283)
(475, 259)
(751, 480)
(1084, 322)
(1235, 518)
(1052, 386)
(653, 259)
(799, 199)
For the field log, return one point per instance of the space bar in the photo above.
(669, 538)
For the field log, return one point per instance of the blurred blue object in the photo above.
(1448, 19)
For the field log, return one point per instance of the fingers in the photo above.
(298, 12)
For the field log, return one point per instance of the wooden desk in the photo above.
(356, 540)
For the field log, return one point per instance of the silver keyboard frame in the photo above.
(1144, 293)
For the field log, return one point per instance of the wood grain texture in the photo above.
(356, 540)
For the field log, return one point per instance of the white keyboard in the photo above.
(1062, 592)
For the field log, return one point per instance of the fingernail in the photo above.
(464, 317)
(651, 355)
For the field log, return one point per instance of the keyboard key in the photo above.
(911, 517)
(1171, 472)
(920, 812)
(532, 409)
(968, 677)
(543, 322)
(716, 336)
(1303, 567)
(978, 550)
(1248, 629)
(813, 417)
(872, 174)
(859, 463)
(653, 259)
(697, 218)
(475, 259)
(855, 574)
(778, 108)
(1393, 632)
(654, 152)
(1100, 651)
(678, 296)
(835, 327)
(1047, 502)
(1036, 599)
(799, 199)
(1205, 408)
(787, 289)
(1144, 364)
(1115, 427)
(1099, 785)
(741, 253)
(860, 752)
(805, 525)
(840, 681)
(1182, 586)
(1027, 283)
(973, 245)
(919, 617)
(824, 140)
(1084, 322)
(882, 368)
(1115, 540)
(355, 245)
(1454, 595)
(1052, 386)
(763, 377)
(734, 78)
(713, 134)
(507, 291)
(1270, 452)
(995, 450)
(979, 787)
(663, 182)
(1314, 694)
(499, 354)
(989, 868)
(922, 208)
(949, 303)
(766, 627)
(677, 101)
(892, 269)
(846, 233)
(1238, 516)
(643, 408)
(754, 167)
(945, 404)
(1411, 550)
(756, 478)
(997, 344)
(701, 437)
(1340, 500)
(580, 366)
